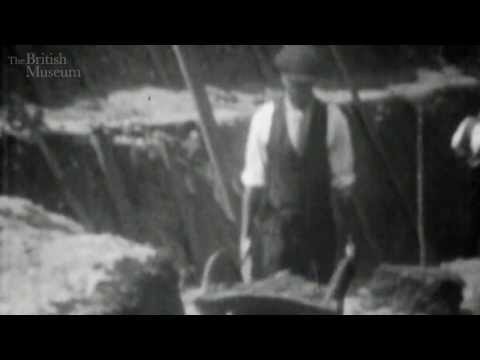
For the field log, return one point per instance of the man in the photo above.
(466, 141)
(298, 150)
(466, 145)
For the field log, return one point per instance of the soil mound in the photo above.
(50, 265)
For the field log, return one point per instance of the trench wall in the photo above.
(196, 226)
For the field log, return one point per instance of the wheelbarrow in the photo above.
(223, 292)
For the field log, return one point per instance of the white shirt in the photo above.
(466, 141)
(339, 144)
(298, 124)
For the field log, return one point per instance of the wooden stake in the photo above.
(208, 127)
(420, 187)
(377, 147)
(73, 202)
(365, 228)
(33, 124)
(115, 184)
(184, 208)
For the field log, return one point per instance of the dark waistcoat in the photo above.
(299, 183)
(300, 230)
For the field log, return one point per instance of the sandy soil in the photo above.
(47, 259)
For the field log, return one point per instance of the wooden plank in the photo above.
(366, 230)
(33, 124)
(203, 238)
(175, 183)
(420, 187)
(115, 185)
(208, 127)
(54, 166)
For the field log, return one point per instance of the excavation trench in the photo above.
(144, 173)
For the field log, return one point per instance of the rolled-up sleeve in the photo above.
(342, 159)
(460, 139)
(475, 141)
(253, 174)
(466, 141)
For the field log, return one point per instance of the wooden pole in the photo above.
(367, 233)
(208, 127)
(114, 178)
(420, 186)
(377, 147)
(184, 208)
(34, 123)
(57, 172)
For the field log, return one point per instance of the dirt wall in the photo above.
(184, 210)
(169, 207)
(384, 232)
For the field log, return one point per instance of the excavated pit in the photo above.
(163, 168)
(156, 145)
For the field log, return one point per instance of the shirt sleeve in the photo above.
(342, 159)
(254, 174)
(475, 140)
(459, 143)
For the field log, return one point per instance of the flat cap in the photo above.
(300, 59)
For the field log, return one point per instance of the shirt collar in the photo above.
(291, 109)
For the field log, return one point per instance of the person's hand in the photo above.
(246, 261)
(245, 248)
(462, 140)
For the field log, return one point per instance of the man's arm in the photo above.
(466, 141)
(253, 179)
(461, 139)
(343, 169)
(250, 205)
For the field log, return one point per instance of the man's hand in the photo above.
(250, 204)
(462, 140)
(245, 248)
(246, 261)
